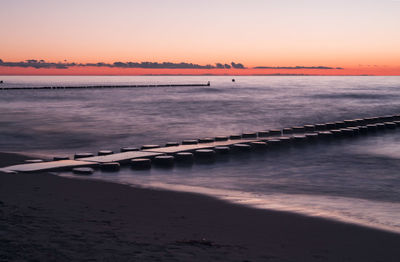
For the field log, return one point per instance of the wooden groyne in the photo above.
(209, 149)
(99, 86)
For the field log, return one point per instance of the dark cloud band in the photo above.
(165, 65)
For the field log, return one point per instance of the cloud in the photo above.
(296, 67)
(164, 65)
(37, 64)
(150, 65)
(237, 66)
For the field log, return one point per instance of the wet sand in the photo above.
(44, 217)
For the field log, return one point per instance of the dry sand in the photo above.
(48, 218)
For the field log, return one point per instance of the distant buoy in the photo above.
(129, 149)
(233, 80)
(164, 161)
(104, 152)
(110, 166)
(82, 155)
(141, 163)
(83, 171)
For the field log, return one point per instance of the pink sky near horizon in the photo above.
(367, 70)
(256, 33)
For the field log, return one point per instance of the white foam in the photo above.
(375, 214)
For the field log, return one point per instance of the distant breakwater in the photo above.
(100, 86)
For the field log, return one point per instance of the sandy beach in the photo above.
(49, 218)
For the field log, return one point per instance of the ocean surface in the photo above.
(353, 180)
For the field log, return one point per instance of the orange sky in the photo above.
(255, 33)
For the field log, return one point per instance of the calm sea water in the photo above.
(354, 180)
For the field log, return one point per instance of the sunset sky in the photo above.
(361, 36)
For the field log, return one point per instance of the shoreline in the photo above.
(56, 218)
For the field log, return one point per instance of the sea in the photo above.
(353, 180)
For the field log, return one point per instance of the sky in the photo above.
(360, 36)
